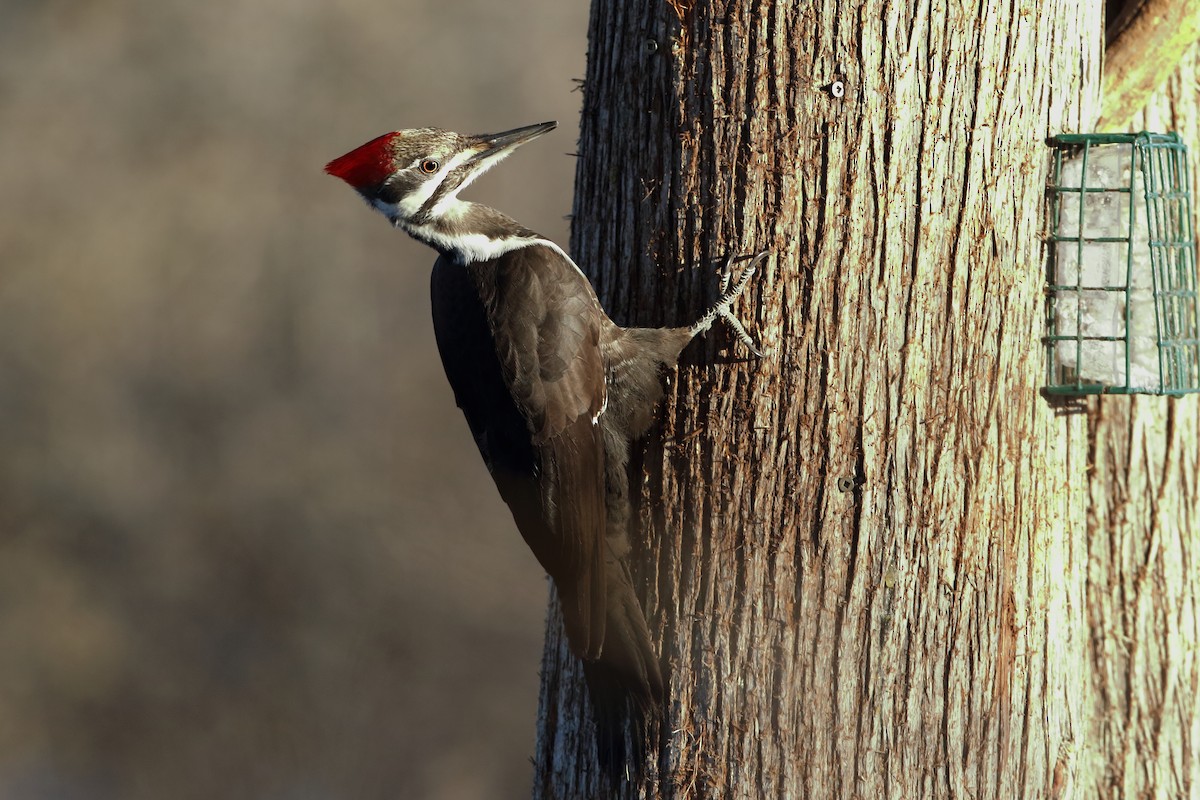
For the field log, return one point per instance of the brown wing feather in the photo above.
(546, 323)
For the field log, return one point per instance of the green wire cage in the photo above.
(1121, 279)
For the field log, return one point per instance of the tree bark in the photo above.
(877, 562)
(1145, 42)
(1143, 559)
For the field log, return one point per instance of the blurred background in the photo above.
(247, 548)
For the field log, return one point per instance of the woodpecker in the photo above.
(552, 389)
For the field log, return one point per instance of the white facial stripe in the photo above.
(411, 204)
(485, 165)
(452, 208)
(450, 200)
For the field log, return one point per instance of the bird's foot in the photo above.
(728, 295)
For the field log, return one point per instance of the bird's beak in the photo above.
(492, 148)
(501, 144)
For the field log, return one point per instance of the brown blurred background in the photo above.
(247, 548)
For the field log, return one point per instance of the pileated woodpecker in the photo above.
(552, 389)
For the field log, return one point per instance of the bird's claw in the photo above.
(730, 294)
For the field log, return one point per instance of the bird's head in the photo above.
(413, 176)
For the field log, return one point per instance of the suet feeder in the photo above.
(1121, 281)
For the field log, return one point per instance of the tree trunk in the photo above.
(1143, 560)
(877, 562)
(1145, 42)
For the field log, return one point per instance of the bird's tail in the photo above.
(626, 682)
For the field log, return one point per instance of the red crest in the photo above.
(365, 166)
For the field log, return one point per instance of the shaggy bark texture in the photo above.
(877, 562)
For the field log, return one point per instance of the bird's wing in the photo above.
(547, 321)
(544, 324)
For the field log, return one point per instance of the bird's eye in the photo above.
(429, 166)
